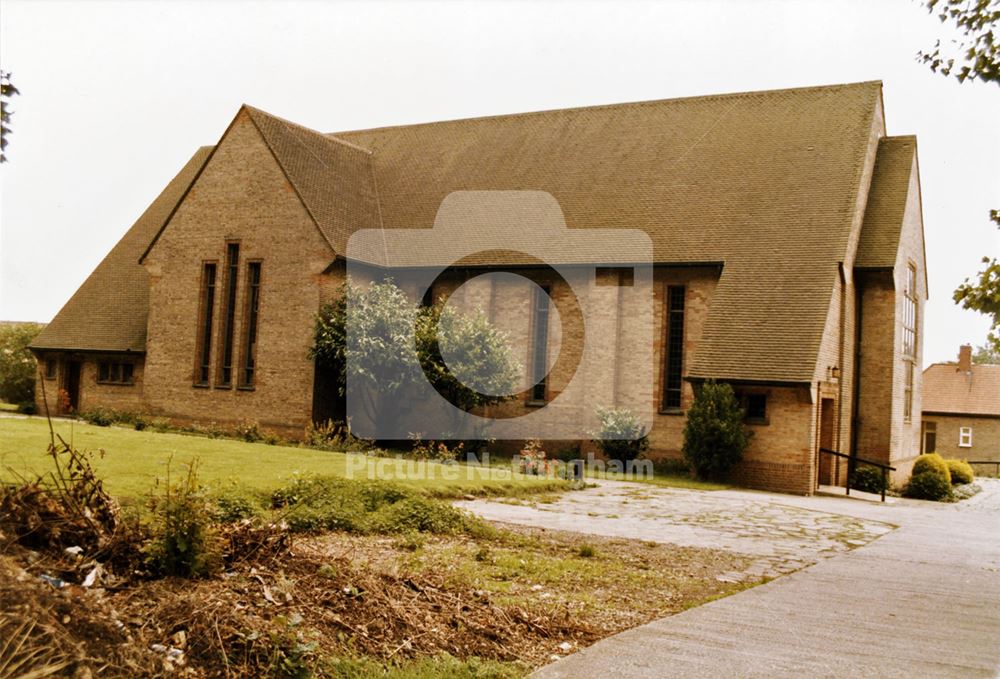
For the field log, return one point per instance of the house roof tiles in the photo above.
(946, 389)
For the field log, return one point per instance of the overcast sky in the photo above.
(117, 95)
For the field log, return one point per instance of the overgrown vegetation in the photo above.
(207, 583)
(714, 435)
(960, 471)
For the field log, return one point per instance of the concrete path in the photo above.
(920, 601)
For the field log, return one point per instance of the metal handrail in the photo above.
(993, 462)
(852, 461)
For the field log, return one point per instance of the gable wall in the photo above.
(243, 195)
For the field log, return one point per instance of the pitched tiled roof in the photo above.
(108, 312)
(879, 242)
(947, 389)
(765, 182)
(333, 178)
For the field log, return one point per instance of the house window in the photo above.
(930, 437)
(910, 313)
(540, 344)
(249, 361)
(965, 437)
(908, 392)
(111, 372)
(205, 313)
(673, 353)
(229, 318)
(50, 368)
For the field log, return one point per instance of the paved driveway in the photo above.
(922, 599)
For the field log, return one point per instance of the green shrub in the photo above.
(331, 503)
(419, 514)
(249, 431)
(27, 408)
(928, 485)
(931, 462)
(714, 436)
(99, 417)
(17, 366)
(586, 551)
(183, 542)
(621, 436)
(961, 471)
(868, 479)
(236, 504)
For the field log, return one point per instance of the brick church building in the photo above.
(787, 246)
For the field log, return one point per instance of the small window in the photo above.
(965, 437)
(756, 407)
(112, 372)
(50, 368)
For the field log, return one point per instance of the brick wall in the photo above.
(985, 436)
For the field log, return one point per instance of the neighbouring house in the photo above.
(787, 241)
(961, 410)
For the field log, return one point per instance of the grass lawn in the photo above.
(134, 460)
(8, 407)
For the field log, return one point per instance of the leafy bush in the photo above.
(928, 485)
(249, 431)
(183, 542)
(418, 514)
(236, 504)
(621, 436)
(714, 436)
(17, 366)
(961, 471)
(868, 479)
(931, 462)
(99, 417)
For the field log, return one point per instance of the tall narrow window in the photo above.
(910, 312)
(908, 392)
(249, 361)
(673, 351)
(229, 319)
(205, 313)
(540, 344)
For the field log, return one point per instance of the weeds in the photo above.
(184, 542)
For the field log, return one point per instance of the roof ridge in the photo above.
(321, 135)
(599, 107)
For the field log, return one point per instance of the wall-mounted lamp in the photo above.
(834, 372)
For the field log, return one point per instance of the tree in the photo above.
(714, 435)
(379, 341)
(982, 292)
(7, 90)
(622, 436)
(17, 365)
(986, 355)
(975, 56)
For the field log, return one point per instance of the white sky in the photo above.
(117, 95)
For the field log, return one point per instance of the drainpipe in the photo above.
(843, 372)
(856, 397)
